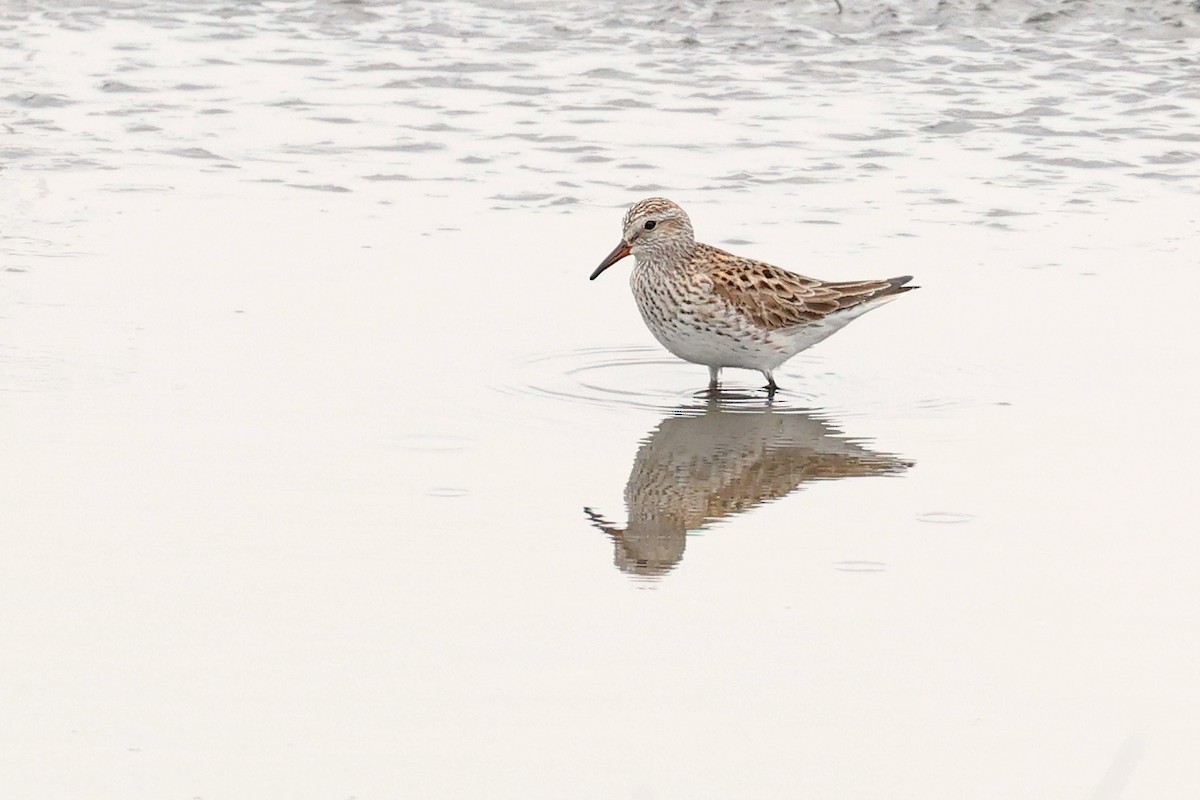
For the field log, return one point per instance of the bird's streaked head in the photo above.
(651, 225)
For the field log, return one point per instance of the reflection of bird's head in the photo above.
(648, 551)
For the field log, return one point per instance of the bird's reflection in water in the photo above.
(719, 458)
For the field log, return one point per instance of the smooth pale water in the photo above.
(326, 473)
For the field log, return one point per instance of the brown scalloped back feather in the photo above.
(776, 299)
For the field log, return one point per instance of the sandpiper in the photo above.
(711, 307)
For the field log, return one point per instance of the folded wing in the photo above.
(776, 299)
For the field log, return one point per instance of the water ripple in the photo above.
(633, 377)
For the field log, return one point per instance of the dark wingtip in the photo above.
(898, 284)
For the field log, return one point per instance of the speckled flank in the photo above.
(714, 308)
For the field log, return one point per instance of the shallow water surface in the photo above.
(326, 472)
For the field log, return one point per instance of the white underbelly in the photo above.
(739, 343)
(727, 347)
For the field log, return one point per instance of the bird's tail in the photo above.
(897, 286)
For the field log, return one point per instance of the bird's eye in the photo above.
(650, 225)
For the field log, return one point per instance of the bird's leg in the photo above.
(771, 385)
(714, 378)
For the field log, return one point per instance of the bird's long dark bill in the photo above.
(619, 252)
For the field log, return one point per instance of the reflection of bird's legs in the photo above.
(602, 524)
(714, 378)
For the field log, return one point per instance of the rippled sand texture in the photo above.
(325, 472)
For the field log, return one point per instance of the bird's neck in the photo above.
(668, 256)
